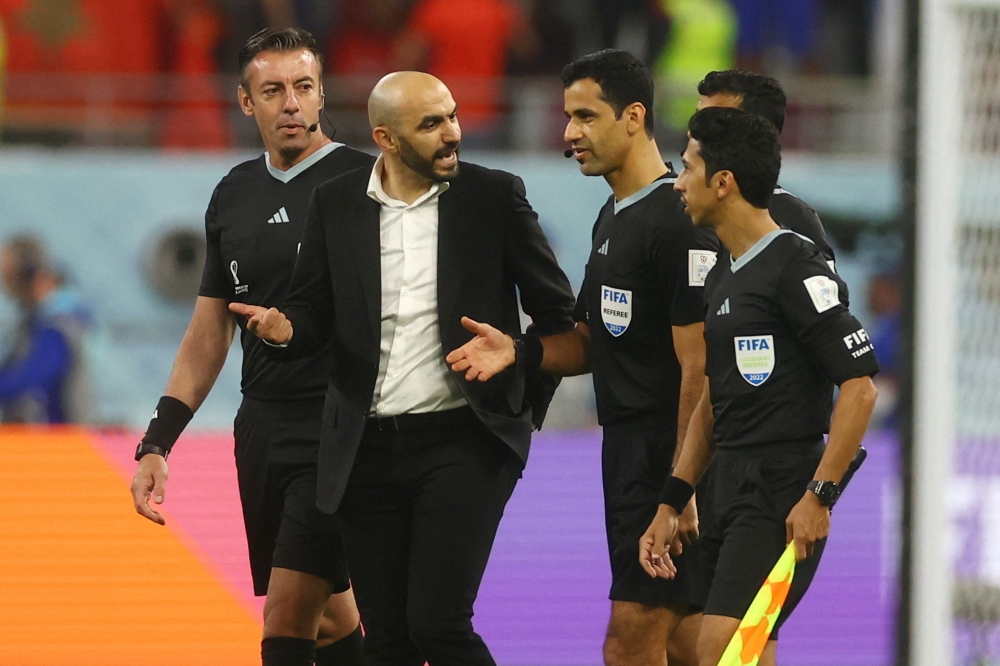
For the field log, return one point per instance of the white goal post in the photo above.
(957, 308)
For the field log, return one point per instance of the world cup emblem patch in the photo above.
(616, 309)
(755, 357)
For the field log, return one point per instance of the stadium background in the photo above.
(118, 117)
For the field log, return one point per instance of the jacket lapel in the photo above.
(368, 254)
(451, 247)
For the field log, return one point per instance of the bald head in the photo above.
(399, 94)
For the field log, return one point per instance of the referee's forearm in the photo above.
(692, 384)
(565, 354)
(202, 353)
(847, 427)
(699, 446)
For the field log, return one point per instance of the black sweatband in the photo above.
(528, 351)
(676, 493)
(169, 420)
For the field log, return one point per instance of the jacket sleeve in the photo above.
(309, 304)
(546, 297)
(546, 294)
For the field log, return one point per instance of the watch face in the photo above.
(826, 491)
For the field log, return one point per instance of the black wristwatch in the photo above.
(145, 448)
(826, 491)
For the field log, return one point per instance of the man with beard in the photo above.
(418, 463)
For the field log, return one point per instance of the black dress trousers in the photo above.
(418, 520)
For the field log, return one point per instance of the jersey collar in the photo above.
(760, 246)
(643, 193)
(756, 249)
(286, 176)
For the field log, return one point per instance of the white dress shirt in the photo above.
(412, 374)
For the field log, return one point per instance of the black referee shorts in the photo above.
(277, 444)
(636, 459)
(750, 493)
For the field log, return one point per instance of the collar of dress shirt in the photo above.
(376, 192)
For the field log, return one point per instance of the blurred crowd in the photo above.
(44, 376)
(471, 44)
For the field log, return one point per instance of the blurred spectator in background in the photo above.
(196, 118)
(73, 38)
(79, 42)
(467, 44)
(844, 38)
(776, 36)
(636, 26)
(43, 377)
(885, 300)
(702, 38)
(556, 41)
(244, 18)
(366, 38)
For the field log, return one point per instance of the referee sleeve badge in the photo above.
(700, 262)
(824, 292)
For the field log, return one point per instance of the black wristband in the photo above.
(528, 351)
(676, 493)
(145, 449)
(169, 420)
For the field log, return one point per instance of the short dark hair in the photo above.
(623, 79)
(742, 143)
(758, 93)
(269, 39)
(29, 255)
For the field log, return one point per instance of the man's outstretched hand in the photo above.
(268, 324)
(484, 356)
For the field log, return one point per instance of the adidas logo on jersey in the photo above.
(279, 217)
(724, 310)
(604, 248)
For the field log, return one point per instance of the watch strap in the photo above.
(826, 491)
(145, 448)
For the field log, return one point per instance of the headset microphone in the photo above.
(569, 152)
(315, 126)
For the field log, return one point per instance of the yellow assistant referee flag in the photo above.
(750, 639)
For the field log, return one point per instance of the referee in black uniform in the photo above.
(253, 226)
(640, 329)
(763, 96)
(779, 337)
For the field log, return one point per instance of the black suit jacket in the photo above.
(490, 246)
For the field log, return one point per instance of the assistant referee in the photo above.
(253, 226)
(779, 336)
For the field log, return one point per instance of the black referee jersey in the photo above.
(779, 336)
(646, 273)
(253, 227)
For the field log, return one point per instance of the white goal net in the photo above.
(956, 547)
